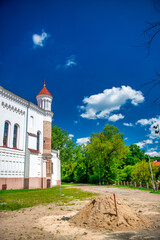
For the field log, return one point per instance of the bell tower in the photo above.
(44, 101)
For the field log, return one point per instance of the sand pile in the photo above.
(100, 214)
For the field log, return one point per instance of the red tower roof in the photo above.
(44, 91)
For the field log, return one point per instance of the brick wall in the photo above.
(47, 137)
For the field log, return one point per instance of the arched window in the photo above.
(15, 135)
(38, 141)
(5, 137)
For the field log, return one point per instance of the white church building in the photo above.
(26, 157)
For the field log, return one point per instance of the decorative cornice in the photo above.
(9, 95)
(12, 108)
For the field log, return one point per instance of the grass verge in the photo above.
(24, 198)
(142, 188)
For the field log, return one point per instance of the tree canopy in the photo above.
(104, 159)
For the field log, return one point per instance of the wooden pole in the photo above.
(115, 203)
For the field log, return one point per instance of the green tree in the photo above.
(62, 141)
(105, 152)
(125, 173)
(135, 155)
(141, 172)
(81, 173)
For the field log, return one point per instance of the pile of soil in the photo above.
(101, 214)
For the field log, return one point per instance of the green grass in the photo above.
(71, 183)
(17, 199)
(142, 188)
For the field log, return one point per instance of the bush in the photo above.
(141, 172)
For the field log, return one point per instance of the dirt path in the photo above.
(51, 221)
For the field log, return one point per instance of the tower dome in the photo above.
(44, 99)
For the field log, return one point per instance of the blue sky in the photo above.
(92, 56)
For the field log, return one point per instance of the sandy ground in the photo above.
(51, 221)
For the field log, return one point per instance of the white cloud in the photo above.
(70, 62)
(38, 40)
(84, 140)
(126, 138)
(102, 104)
(71, 136)
(153, 149)
(148, 141)
(153, 153)
(128, 124)
(140, 144)
(143, 143)
(115, 117)
(151, 122)
(156, 141)
(144, 122)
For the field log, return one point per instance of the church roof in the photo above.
(44, 91)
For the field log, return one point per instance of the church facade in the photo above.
(26, 157)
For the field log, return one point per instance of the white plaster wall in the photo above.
(8, 112)
(35, 165)
(32, 142)
(34, 128)
(44, 101)
(11, 163)
(48, 118)
(56, 168)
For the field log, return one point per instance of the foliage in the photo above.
(125, 173)
(135, 155)
(158, 173)
(141, 172)
(24, 198)
(81, 168)
(61, 140)
(104, 159)
(104, 153)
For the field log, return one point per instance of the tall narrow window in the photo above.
(15, 132)
(38, 140)
(5, 137)
(32, 121)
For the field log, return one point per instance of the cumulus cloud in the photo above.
(84, 140)
(153, 153)
(115, 117)
(140, 144)
(151, 122)
(143, 143)
(38, 40)
(144, 122)
(101, 105)
(128, 124)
